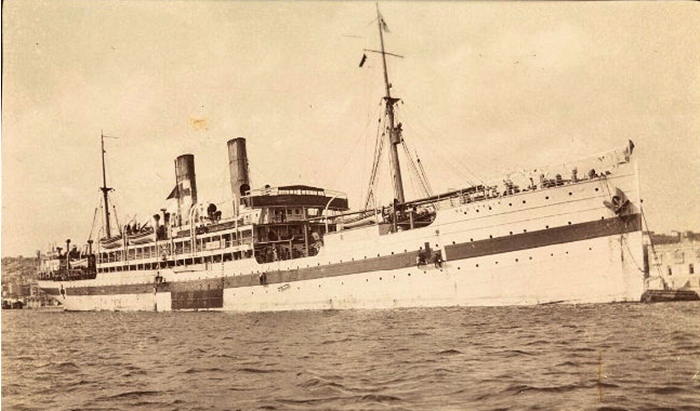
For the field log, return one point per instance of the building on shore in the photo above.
(673, 259)
(19, 294)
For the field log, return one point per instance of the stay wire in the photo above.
(479, 178)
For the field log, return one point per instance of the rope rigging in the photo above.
(651, 243)
(460, 169)
(413, 168)
(378, 148)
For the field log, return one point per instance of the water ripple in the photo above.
(592, 357)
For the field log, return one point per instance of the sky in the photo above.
(486, 88)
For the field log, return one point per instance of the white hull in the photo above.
(541, 265)
(581, 276)
(590, 271)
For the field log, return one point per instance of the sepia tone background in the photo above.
(488, 88)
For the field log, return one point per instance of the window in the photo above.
(678, 257)
(691, 269)
(670, 272)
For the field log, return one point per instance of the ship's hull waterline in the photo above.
(558, 245)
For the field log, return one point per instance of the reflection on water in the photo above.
(627, 356)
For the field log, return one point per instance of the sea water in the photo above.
(556, 357)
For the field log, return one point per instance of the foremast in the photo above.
(394, 132)
(105, 190)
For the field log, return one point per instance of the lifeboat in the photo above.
(112, 242)
(144, 236)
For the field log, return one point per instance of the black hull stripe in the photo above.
(543, 238)
(516, 242)
(200, 299)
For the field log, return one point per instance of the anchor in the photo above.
(619, 203)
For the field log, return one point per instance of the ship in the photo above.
(566, 234)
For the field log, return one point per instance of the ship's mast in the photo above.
(104, 187)
(394, 133)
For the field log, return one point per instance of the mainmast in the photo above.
(104, 187)
(394, 133)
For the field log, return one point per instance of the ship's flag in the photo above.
(173, 194)
(629, 149)
(364, 59)
(185, 189)
(383, 24)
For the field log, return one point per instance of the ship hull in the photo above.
(559, 245)
(598, 270)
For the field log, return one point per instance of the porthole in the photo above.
(471, 239)
(546, 198)
(516, 260)
(524, 201)
(546, 226)
(570, 193)
(511, 233)
(510, 204)
(366, 280)
(596, 189)
(569, 222)
(453, 243)
(496, 262)
(459, 268)
(477, 266)
(490, 236)
(530, 257)
(477, 210)
(590, 249)
(380, 278)
(409, 274)
(489, 207)
(551, 255)
(524, 230)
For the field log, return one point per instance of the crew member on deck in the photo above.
(437, 259)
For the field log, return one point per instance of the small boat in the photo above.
(144, 236)
(110, 243)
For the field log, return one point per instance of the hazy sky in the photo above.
(487, 88)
